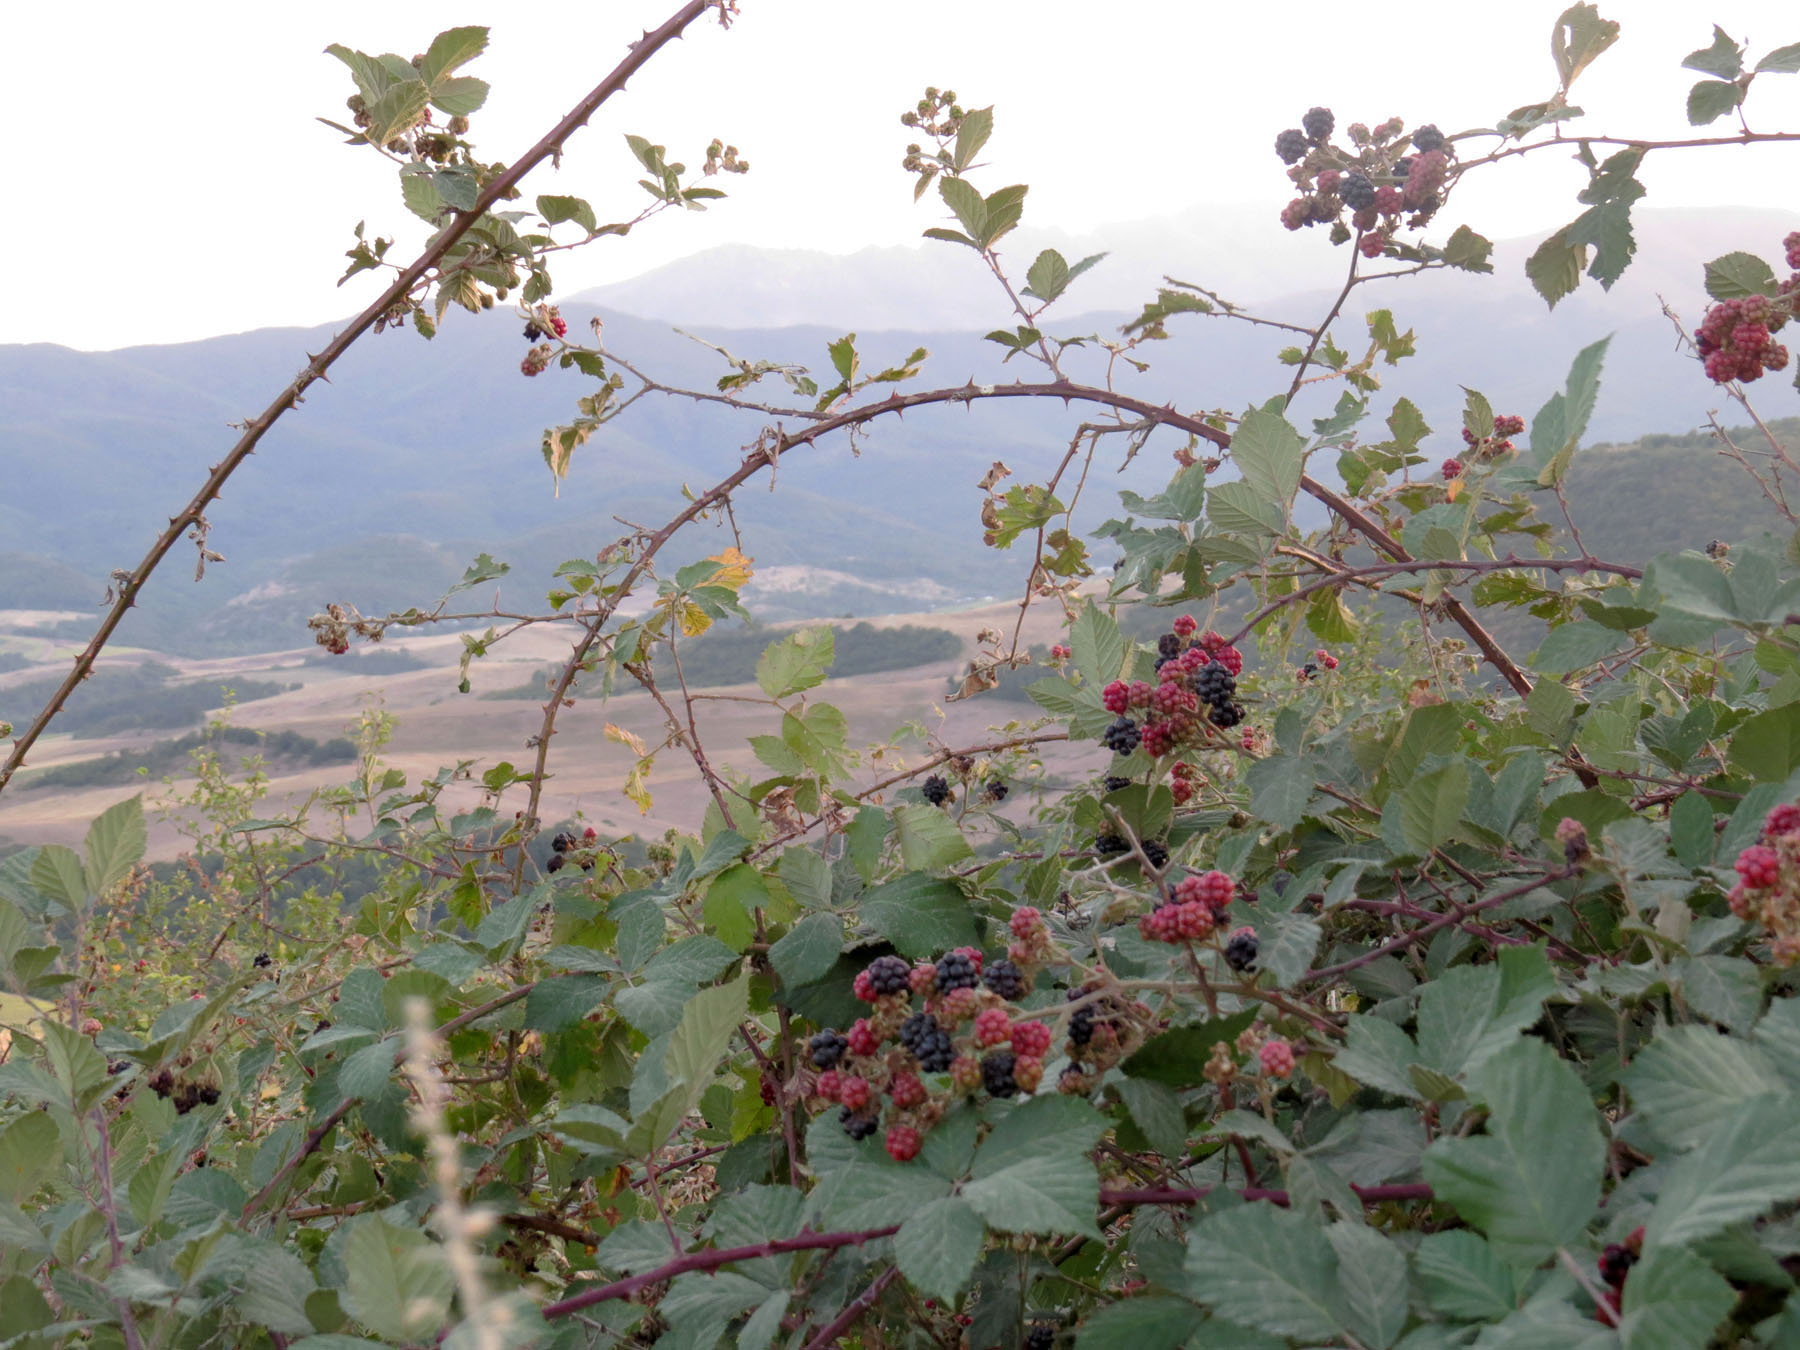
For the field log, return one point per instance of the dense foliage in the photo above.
(1442, 999)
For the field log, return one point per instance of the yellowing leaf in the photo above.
(1452, 489)
(615, 732)
(637, 783)
(734, 569)
(694, 620)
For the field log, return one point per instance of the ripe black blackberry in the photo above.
(1121, 737)
(1240, 952)
(935, 790)
(858, 1126)
(1215, 684)
(209, 1095)
(1428, 138)
(1616, 1263)
(827, 1048)
(997, 789)
(929, 1043)
(889, 975)
(1081, 1026)
(997, 1073)
(1005, 979)
(956, 970)
(1358, 192)
(563, 842)
(1156, 852)
(1114, 783)
(261, 960)
(1169, 644)
(1403, 169)
(555, 864)
(1110, 845)
(1227, 714)
(1290, 145)
(1041, 1336)
(533, 332)
(1318, 123)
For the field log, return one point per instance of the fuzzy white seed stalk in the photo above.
(485, 1321)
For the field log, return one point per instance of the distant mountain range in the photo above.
(416, 456)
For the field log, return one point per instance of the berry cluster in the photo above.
(1736, 338)
(1103, 1029)
(1193, 910)
(1491, 446)
(185, 1093)
(544, 320)
(935, 790)
(1192, 674)
(1322, 660)
(1372, 179)
(966, 1029)
(565, 844)
(1768, 889)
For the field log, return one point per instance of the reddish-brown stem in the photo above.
(712, 1260)
(854, 1309)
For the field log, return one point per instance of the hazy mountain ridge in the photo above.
(414, 458)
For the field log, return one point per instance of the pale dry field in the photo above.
(436, 727)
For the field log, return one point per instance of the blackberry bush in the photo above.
(1455, 1007)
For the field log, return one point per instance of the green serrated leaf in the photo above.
(1531, 1182)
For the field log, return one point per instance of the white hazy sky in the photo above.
(170, 181)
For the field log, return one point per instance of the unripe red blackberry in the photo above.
(1290, 145)
(992, 1027)
(1277, 1058)
(1185, 624)
(906, 1090)
(1759, 866)
(903, 1143)
(1372, 244)
(1031, 1040)
(1116, 697)
(1027, 920)
(853, 1092)
(1296, 214)
(1782, 819)
(863, 1038)
(959, 1005)
(1452, 468)
(1318, 124)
